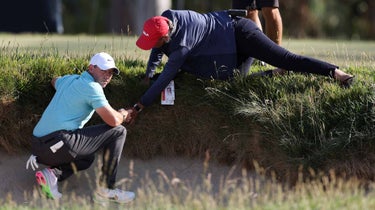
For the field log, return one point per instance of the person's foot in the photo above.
(47, 180)
(345, 79)
(115, 195)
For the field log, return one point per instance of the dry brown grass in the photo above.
(16, 125)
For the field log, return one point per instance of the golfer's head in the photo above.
(102, 67)
(154, 29)
(104, 61)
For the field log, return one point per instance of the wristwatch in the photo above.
(137, 108)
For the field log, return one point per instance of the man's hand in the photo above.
(127, 114)
(135, 110)
(129, 117)
(133, 116)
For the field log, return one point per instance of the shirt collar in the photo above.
(88, 76)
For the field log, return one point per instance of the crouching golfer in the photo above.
(61, 141)
(214, 45)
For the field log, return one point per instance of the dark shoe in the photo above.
(348, 82)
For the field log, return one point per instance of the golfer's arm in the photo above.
(110, 116)
(154, 60)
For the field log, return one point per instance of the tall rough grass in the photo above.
(311, 118)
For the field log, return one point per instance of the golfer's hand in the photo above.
(135, 111)
(133, 115)
(129, 117)
(32, 163)
(127, 113)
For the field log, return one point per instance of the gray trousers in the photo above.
(69, 151)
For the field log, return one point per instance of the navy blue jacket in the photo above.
(201, 44)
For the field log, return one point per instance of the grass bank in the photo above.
(281, 122)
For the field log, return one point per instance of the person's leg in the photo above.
(87, 141)
(250, 41)
(272, 18)
(273, 24)
(253, 15)
(245, 62)
(78, 164)
(50, 150)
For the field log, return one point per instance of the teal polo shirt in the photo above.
(72, 106)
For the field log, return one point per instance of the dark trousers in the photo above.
(69, 151)
(251, 42)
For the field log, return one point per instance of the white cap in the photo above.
(104, 61)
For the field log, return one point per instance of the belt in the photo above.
(48, 137)
(237, 13)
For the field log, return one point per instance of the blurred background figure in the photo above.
(270, 12)
(354, 20)
(272, 18)
(134, 13)
(44, 16)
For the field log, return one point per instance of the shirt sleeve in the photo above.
(154, 61)
(171, 68)
(97, 97)
(60, 80)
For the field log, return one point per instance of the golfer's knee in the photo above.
(121, 130)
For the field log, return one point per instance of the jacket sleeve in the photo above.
(154, 61)
(171, 68)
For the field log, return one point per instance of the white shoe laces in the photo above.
(32, 163)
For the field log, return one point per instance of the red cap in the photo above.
(153, 29)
